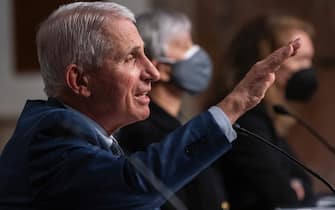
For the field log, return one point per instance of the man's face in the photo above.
(120, 88)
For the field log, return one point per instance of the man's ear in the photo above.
(77, 80)
(164, 71)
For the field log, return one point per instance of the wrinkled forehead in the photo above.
(123, 34)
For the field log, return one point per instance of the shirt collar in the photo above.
(109, 140)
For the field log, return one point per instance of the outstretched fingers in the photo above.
(295, 44)
(249, 92)
(274, 60)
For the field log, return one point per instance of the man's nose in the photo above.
(151, 71)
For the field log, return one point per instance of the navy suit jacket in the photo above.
(57, 160)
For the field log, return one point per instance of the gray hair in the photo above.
(157, 28)
(75, 34)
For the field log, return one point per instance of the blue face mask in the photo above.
(192, 74)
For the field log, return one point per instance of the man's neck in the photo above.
(82, 107)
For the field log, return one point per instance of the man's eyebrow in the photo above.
(135, 49)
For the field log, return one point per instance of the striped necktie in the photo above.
(115, 147)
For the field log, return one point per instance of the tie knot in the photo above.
(115, 147)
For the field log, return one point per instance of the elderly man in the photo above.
(97, 77)
(184, 68)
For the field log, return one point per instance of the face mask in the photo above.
(302, 85)
(193, 74)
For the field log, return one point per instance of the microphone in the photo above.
(246, 132)
(279, 109)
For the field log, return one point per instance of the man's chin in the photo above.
(143, 115)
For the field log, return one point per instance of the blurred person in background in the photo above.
(184, 67)
(257, 177)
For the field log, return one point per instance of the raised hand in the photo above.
(251, 89)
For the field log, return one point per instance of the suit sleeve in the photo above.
(67, 169)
